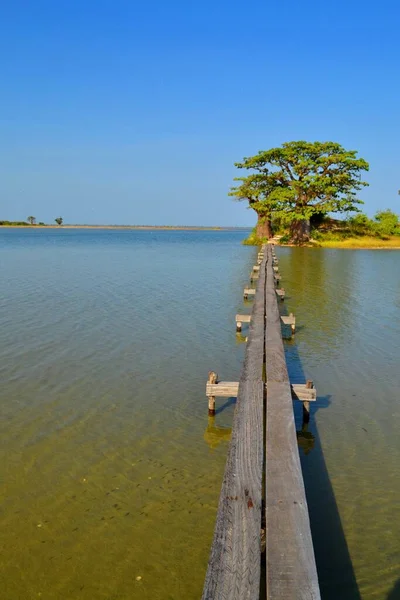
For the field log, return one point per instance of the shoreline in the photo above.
(145, 227)
(341, 247)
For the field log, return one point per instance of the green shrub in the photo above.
(386, 223)
(360, 224)
(253, 240)
(285, 239)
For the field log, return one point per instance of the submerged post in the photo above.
(306, 404)
(212, 378)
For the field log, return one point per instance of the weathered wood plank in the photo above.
(286, 319)
(229, 389)
(234, 567)
(243, 318)
(223, 389)
(249, 291)
(291, 569)
(301, 393)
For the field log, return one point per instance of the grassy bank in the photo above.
(358, 231)
(367, 242)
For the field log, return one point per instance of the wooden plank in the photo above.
(291, 570)
(223, 389)
(229, 389)
(249, 291)
(300, 392)
(243, 318)
(286, 319)
(234, 567)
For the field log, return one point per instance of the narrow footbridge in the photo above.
(262, 529)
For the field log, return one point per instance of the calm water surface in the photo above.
(110, 467)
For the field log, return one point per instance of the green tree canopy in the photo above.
(31, 220)
(301, 179)
(387, 222)
(59, 220)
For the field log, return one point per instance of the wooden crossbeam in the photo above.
(229, 389)
(248, 292)
(286, 320)
(252, 291)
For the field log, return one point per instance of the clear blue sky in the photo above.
(134, 112)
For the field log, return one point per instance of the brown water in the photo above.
(110, 468)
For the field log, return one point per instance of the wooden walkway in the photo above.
(263, 473)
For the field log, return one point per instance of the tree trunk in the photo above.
(264, 227)
(300, 231)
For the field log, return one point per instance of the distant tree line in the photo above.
(30, 221)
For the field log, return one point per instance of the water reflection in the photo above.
(318, 297)
(240, 338)
(214, 435)
(305, 439)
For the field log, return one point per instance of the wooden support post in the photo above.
(293, 324)
(248, 292)
(238, 326)
(212, 378)
(306, 404)
(281, 293)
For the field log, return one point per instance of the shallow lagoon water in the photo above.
(110, 467)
